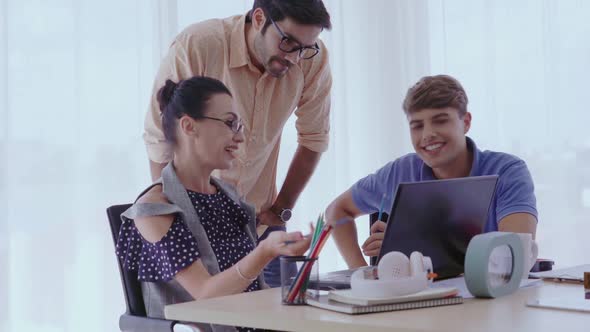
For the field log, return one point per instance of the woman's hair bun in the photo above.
(166, 94)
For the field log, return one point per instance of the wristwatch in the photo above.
(285, 214)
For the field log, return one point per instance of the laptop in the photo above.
(574, 273)
(437, 218)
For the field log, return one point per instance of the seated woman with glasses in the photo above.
(189, 236)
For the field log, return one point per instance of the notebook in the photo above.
(345, 296)
(324, 302)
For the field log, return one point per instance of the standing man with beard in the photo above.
(274, 63)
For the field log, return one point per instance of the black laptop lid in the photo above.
(439, 218)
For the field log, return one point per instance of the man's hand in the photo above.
(372, 245)
(269, 218)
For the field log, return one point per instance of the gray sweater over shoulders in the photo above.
(157, 295)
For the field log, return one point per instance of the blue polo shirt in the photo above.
(514, 191)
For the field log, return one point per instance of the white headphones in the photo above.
(396, 275)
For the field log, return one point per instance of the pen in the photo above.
(587, 285)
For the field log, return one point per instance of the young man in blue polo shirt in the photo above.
(436, 109)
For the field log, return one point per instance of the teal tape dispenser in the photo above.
(494, 264)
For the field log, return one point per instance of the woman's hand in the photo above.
(287, 244)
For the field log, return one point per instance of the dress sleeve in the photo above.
(158, 261)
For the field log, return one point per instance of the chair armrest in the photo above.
(130, 323)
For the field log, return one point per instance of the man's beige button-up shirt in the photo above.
(217, 48)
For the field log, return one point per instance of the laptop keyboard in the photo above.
(336, 277)
(341, 275)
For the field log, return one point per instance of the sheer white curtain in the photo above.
(525, 67)
(75, 77)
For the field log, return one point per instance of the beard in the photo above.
(276, 66)
(273, 64)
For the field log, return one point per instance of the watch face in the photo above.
(285, 215)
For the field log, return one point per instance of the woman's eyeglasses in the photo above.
(235, 125)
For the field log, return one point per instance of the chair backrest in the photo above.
(131, 286)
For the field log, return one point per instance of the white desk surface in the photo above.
(263, 309)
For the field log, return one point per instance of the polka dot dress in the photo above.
(224, 222)
(159, 261)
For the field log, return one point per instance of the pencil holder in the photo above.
(296, 272)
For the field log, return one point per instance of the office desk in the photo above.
(263, 309)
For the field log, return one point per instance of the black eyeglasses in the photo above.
(235, 125)
(288, 45)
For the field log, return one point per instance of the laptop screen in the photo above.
(439, 218)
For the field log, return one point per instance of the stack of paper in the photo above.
(344, 301)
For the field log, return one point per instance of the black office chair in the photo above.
(372, 219)
(135, 318)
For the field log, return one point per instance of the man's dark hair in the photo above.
(305, 12)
